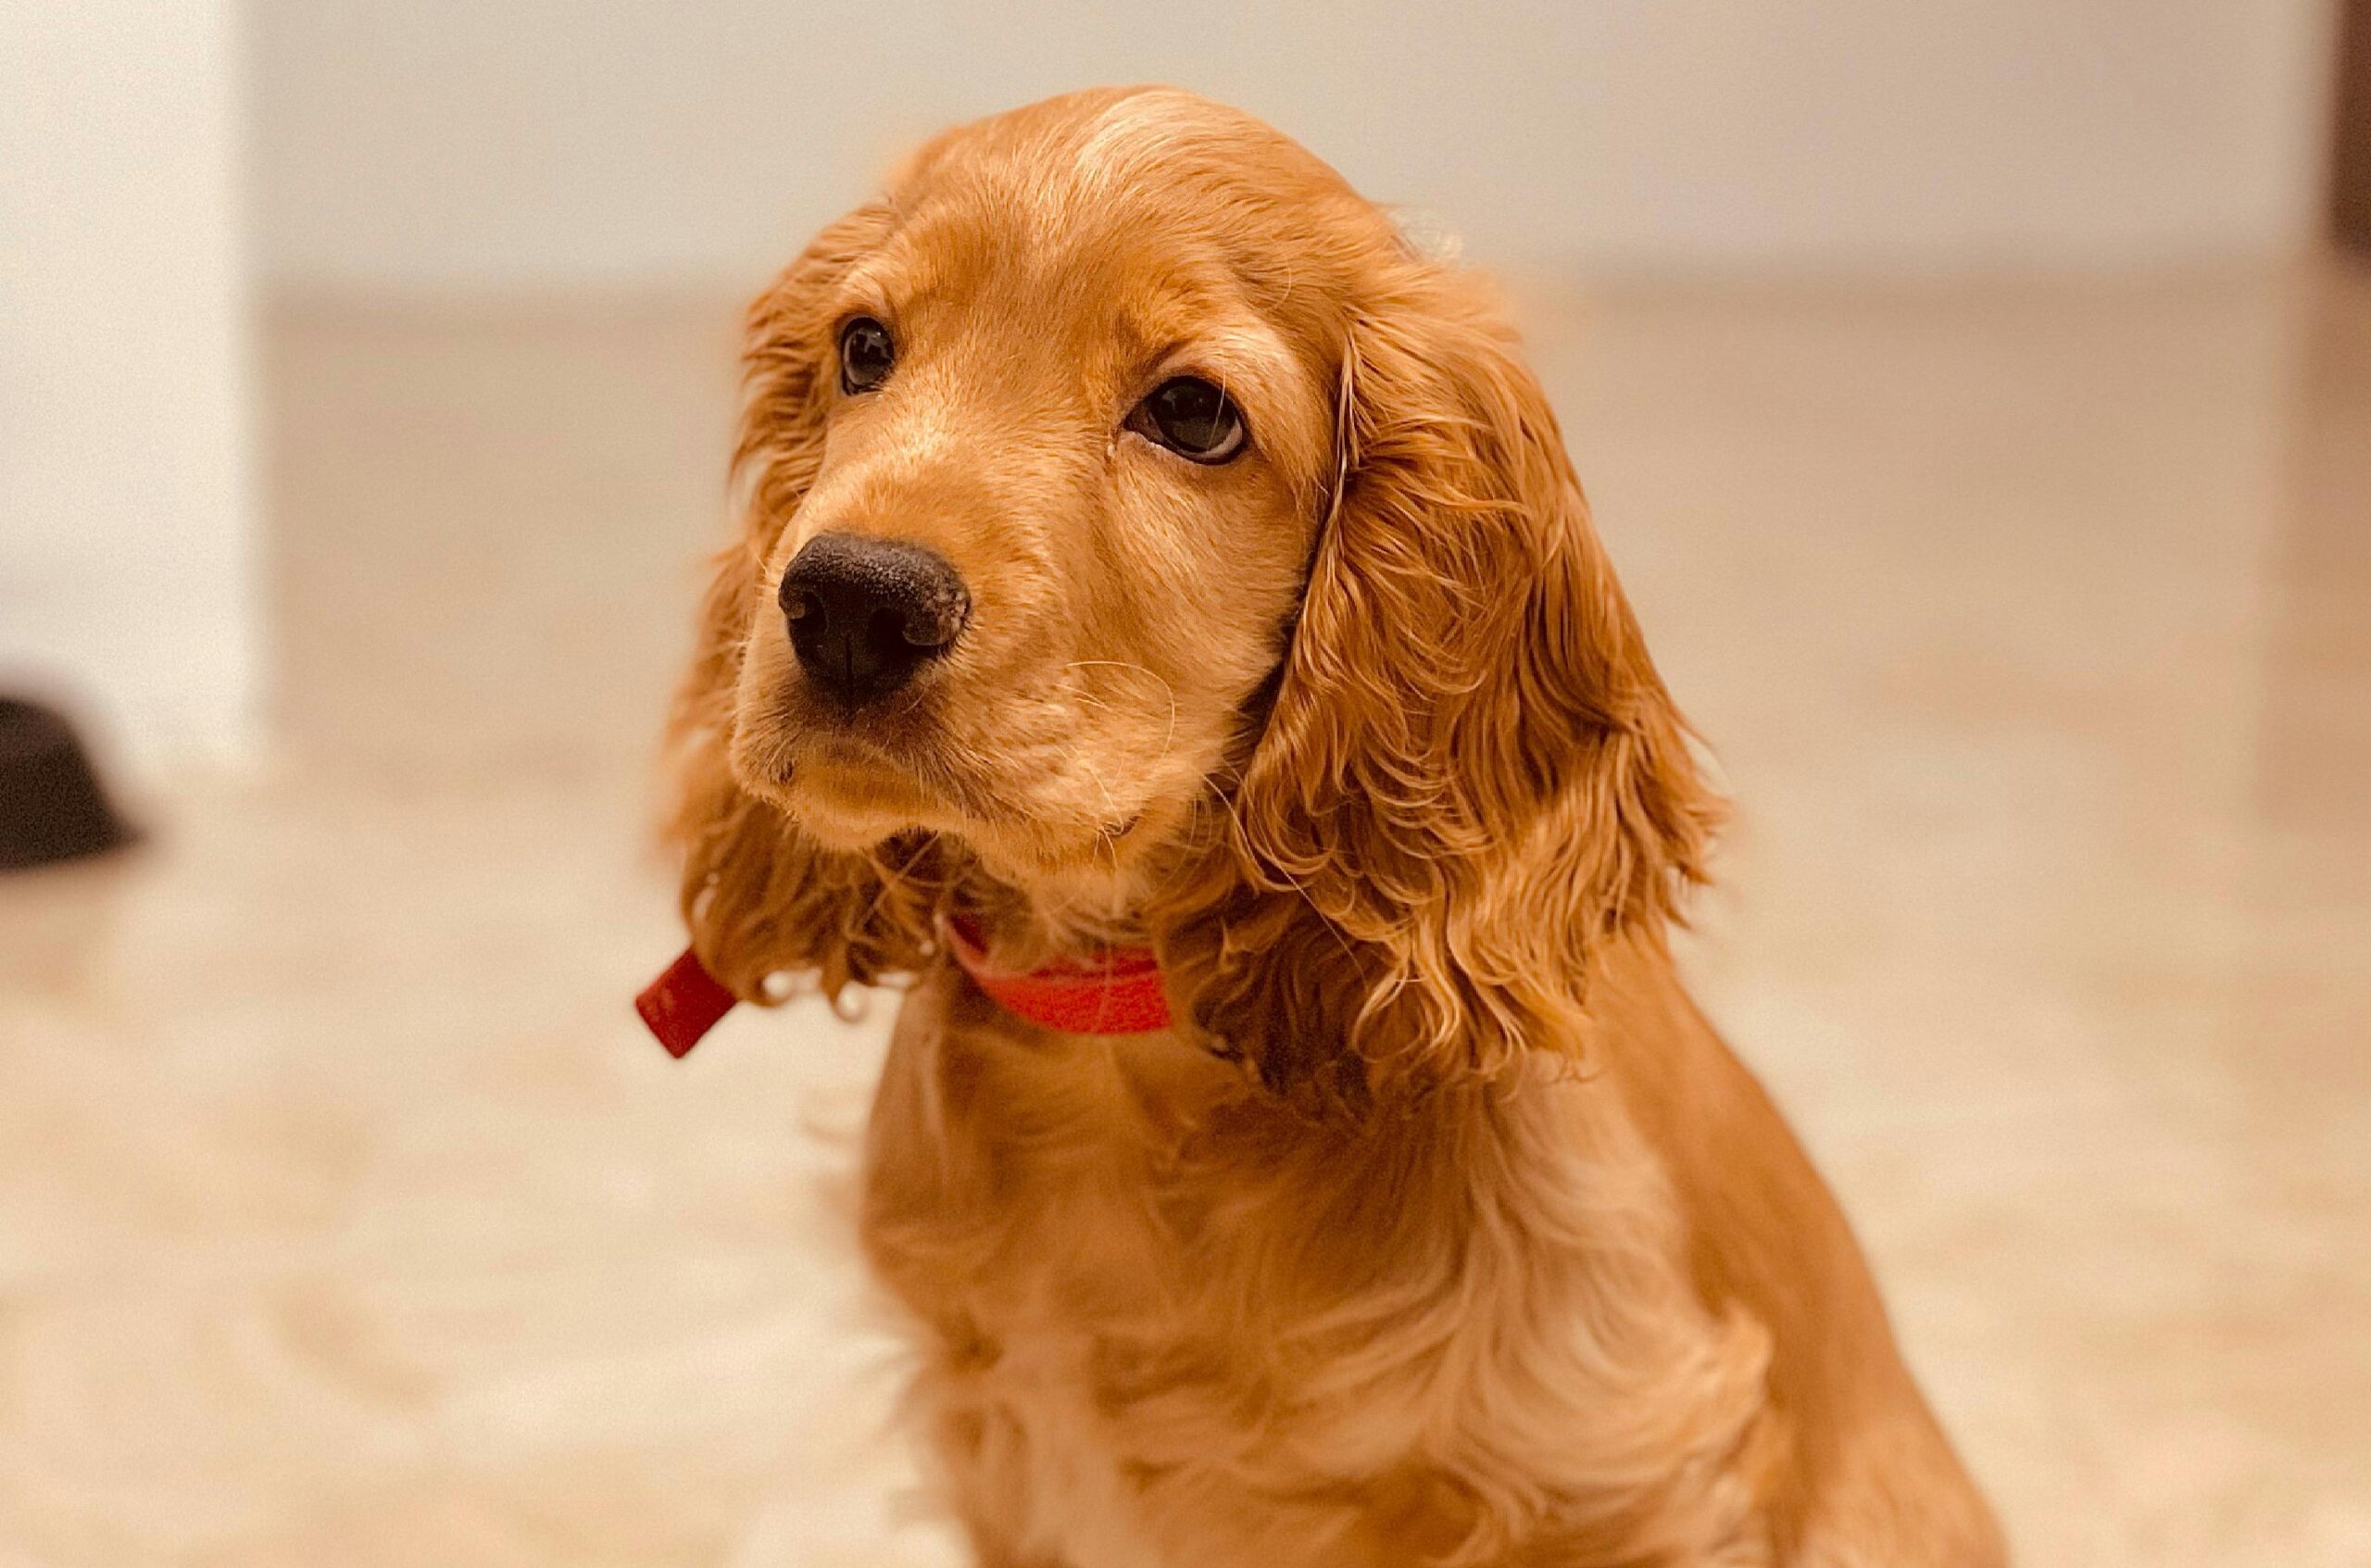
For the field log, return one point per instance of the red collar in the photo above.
(1116, 992)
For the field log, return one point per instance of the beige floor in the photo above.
(345, 1216)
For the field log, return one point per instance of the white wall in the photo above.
(428, 143)
(126, 540)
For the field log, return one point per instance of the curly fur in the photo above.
(1443, 1231)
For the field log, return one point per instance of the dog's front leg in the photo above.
(989, 1500)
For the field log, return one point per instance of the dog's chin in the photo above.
(840, 803)
(847, 801)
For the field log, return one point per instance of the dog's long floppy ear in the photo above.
(1472, 778)
(758, 897)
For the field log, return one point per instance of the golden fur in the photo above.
(1442, 1229)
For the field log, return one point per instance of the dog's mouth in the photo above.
(852, 792)
(846, 791)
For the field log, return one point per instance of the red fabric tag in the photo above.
(1116, 992)
(683, 1004)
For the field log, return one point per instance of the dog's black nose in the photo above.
(864, 614)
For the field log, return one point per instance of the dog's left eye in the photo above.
(1192, 418)
(866, 354)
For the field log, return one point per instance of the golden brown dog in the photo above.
(1140, 543)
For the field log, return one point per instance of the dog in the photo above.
(1160, 585)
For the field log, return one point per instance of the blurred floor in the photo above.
(345, 1216)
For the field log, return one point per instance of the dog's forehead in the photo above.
(1160, 264)
(1085, 177)
(1129, 143)
(1094, 141)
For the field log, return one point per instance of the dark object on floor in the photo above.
(51, 804)
(2350, 148)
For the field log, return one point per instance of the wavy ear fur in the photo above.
(757, 896)
(1472, 778)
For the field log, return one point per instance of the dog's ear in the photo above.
(758, 897)
(1472, 777)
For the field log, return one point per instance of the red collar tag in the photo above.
(1116, 992)
(684, 1003)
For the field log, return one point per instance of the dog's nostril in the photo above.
(890, 632)
(865, 614)
(933, 626)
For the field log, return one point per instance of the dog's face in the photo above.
(1135, 530)
(1069, 433)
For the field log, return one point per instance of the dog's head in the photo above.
(1135, 529)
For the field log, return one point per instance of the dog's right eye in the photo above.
(866, 354)
(1192, 418)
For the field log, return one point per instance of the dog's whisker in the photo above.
(1168, 738)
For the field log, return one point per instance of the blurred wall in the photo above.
(126, 540)
(526, 143)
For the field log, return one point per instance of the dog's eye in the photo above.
(1191, 418)
(866, 355)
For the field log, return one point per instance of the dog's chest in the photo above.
(1166, 1326)
(1100, 1280)
(1041, 1404)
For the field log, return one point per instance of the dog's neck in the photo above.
(1027, 922)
